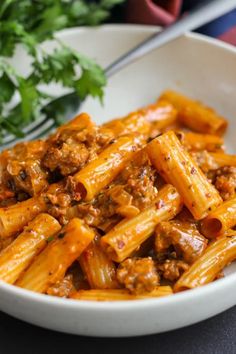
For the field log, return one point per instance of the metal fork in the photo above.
(70, 103)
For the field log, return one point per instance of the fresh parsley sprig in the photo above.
(28, 23)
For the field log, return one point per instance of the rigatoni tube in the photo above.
(177, 167)
(18, 255)
(195, 115)
(50, 266)
(222, 159)
(100, 172)
(99, 269)
(79, 122)
(135, 122)
(15, 217)
(161, 114)
(217, 256)
(119, 294)
(220, 220)
(129, 234)
(199, 142)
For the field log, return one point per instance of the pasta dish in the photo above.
(140, 207)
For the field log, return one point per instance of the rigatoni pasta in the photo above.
(100, 172)
(220, 220)
(162, 114)
(198, 142)
(140, 207)
(18, 255)
(135, 122)
(177, 167)
(99, 270)
(195, 115)
(127, 236)
(222, 159)
(50, 266)
(15, 217)
(120, 294)
(218, 255)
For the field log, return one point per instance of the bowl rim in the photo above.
(145, 28)
(100, 306)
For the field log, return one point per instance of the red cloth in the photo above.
(164, 12)
(229, 36)
(159, 12)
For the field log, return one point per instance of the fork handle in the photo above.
(203, 13)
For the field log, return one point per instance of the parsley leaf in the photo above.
(29, 99)
(28, 23)
(50, 239)
(7, 89)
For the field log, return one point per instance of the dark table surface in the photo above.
(216, 335)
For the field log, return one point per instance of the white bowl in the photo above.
(198, 66)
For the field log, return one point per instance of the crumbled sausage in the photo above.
(184, 236)
(71, 148)
(204, 160)
(62, 288)
(172, 269)
(138, 275)
(21, 169)
(225, 181)
(134, 187)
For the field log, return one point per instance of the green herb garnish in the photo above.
(50, 239)
(28, 23)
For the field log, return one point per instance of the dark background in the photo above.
(214, 336)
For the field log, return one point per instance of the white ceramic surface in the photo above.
(198, 66)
